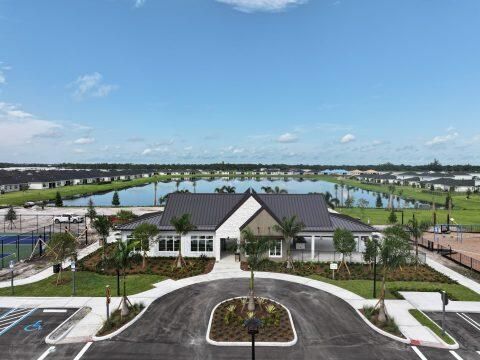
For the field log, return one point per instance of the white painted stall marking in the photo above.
(46, 353)
(455, 355)
(83, 351)
(419, 353)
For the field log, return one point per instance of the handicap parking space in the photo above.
(23, 330)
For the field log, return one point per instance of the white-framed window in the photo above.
(201, 243)
(168, 242)
(276, 249)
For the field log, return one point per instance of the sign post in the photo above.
(11, 265)
(73, 267)
(444, 303)
(107, 295)
(333, 267)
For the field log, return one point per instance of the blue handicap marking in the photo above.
(34, 327)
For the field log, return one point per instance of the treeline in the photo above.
(433, 166)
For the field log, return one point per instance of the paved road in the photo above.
(23, 331)
(174, 327)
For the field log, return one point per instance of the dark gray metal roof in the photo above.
(311, 209)
(150, 218)
(451, 182)
(341, 221)
(207, 211)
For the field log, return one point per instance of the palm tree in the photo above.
(267, 189)
(330, 200)
(416, 229)
(342, 186)
(155, 184)
(277, 190)
(229, 189)
(194, 183)
(102, 225)
(336, 190)
(123, 258)
(393, 253)
(255, 249)
(391, 191)
(182, 227)
(289, 228)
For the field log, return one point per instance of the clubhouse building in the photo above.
(220, 218)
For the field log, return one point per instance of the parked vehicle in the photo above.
(68, 218)
(29, 204)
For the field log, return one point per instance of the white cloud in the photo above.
(84, 141)
(250, 6)
(347, 138)
(139, 3)
(19, 127)
(287, 138)
(79, 151)
(157, 150)
(91, 85)
(442, 139)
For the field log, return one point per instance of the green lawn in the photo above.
(380, 216)
(459, 200)
(364, 288)
(87, 284)
(426, 321)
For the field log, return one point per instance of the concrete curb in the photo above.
(243, 343)
(380, 331)
(51, 341)
(435, 345)
(124, 327)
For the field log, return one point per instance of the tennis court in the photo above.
(18, 246)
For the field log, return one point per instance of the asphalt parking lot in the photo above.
(174, 327)
(23, 330)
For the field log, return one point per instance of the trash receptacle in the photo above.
(56, 268)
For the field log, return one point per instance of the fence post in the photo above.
(18, 247)
(3, 255)
(20, 223)
(32, 240)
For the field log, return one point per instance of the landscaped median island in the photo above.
(371, 313)
(426, 321)
(229, 318)
(116, 320)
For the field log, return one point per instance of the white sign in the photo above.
(333, 266)
(300, 246)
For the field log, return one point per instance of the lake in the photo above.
(144, 195)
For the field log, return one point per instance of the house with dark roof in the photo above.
(220, 218)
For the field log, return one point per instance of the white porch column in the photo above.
(313, 247)
(216, 248)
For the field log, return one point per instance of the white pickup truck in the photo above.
(67, 218)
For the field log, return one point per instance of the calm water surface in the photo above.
(144, 195)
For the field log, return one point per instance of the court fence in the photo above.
(31, 244)
(447, 252)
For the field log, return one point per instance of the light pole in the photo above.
(73, 267)
(252, 327)
(375, 241)
(11, 265)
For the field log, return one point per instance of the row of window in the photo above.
(197, 243)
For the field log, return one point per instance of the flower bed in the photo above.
(116, 321)
(357, 271)
(155, 265)
(227, 323)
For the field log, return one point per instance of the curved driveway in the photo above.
(175, 325)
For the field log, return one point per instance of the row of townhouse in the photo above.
(455, 181)
(16, 180)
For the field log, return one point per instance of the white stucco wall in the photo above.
(231, 227)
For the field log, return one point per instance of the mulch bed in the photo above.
(155, 265)
(357, 271)
(235, 330)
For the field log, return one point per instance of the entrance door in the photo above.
(228, 246)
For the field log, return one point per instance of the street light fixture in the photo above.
(252, 326)
(11, 266)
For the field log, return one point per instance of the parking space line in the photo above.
(13, 322)
(54, 310)
(469, 320)
(419, 353)
(83, 351)
(455, 355)
(46, 353)
(6, 314)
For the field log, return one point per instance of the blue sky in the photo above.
(291, 81)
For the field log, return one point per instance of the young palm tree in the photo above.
(182, 226)
(229, 189)
(391, 190)
(330, 200)
(267, 189)
(277, 190)
(122, 259)
(416, 229)
(255, 248)
(342, 186)
(155, 184)
(289, 228)
(61, 247)
(393, 253)
(336, 191)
